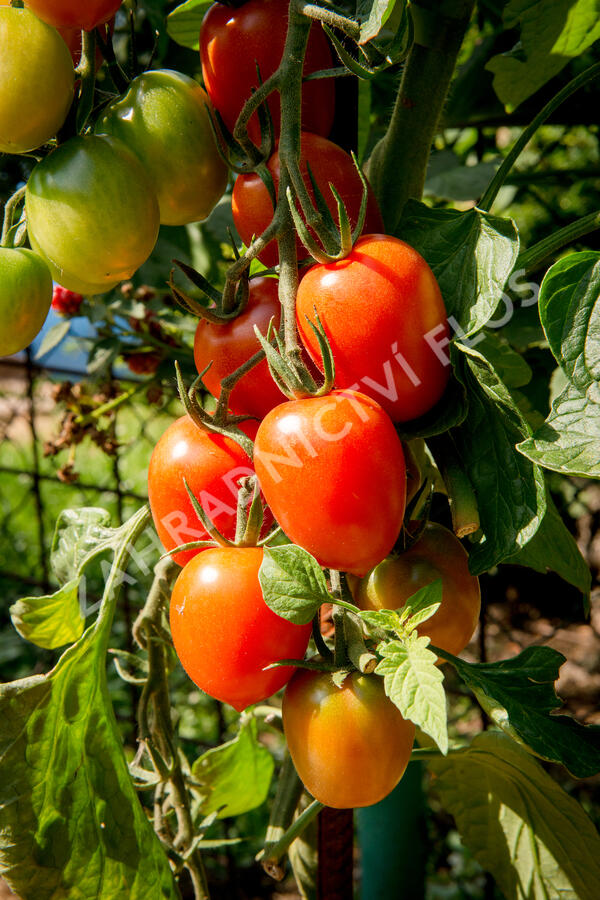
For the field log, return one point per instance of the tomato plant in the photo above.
(74, 13)
(212, 465)
(92, 213)
(235, 42)
(229, 344)
(36, 87)
(350, 744)
(437, 554)
(400, 358)
(332, 471)
(163, 118)
(25, 297)
(225, 634)
(329, 164)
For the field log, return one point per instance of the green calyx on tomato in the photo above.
(436, 554)
(25, 298)
(329, 164)
(92, 213)
(36, 81)
(350, 744)
(163, 118)
(383, 313)
(332, 472)
(225, 634)
(237, 44)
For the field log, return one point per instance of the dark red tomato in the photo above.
(229, 345)
(383, 313)
(212, 465)
(437, 554)
(142, 363)
(74, 13)
(349, 744)
(234, 41)
(225, 634)
(64, 302)
(332, 471)
(329, 164)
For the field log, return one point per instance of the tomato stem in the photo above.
(10, 207)
(86, 70)
(461, 496)
(533, 257)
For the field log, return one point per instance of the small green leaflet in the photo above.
(413, 683)
(50, 621)
(519, 696)
(235, 777)
(183, 24)
(419, 607)
(520, 825)
(293, 583)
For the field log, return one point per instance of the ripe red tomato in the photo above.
(212, 464)
(230, 344)
(349, 744)
(332, 471)
(25, 297)
(92, 213)
(74, 13)
(225, 634)
(142, 363)
(383, 313)
(36, 85)
(329, 164)
(64, 302)
(235, 40)
(163, 118)
(437, 554)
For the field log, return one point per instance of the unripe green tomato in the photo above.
(92, 213)
(163, 118)
(350, 744)
(25, 297)
(36, 81)
(437, 554)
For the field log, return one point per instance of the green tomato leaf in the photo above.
(235, 777)
(293, 583)
(184, 23)
(511, 497)
(568, 440)
(50, 621)
(413, 683)
(386, 619)
(553, 32)
(569, 304)
(510, 365)
(520, 825)
(53, 337)
(372, 16)
(540, 553)
(71, 824)
(422, 605)
(519, 695)
(449, 179)
(81, 535)
(471, 254)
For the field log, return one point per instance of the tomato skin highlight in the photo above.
(163, 118)
(211, 464)
(233, 41)
(225, 634)
(376, 306)
(86, 14)
(350, 745)
(253, 210)
(25, 298)
(332, 471)
(92, 213)
(36, 84)
(437, 554)
(230, 344)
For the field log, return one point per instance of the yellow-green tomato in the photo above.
(437, 554)
(350, 744)
(163, 118)
(36, 81)
(92, 213)
(25, 297)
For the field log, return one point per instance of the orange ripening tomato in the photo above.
(437, 554)
(385, 318)
(74, 13)
(332, 471)
(253, 210)
(225, 634)
(350, 744)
